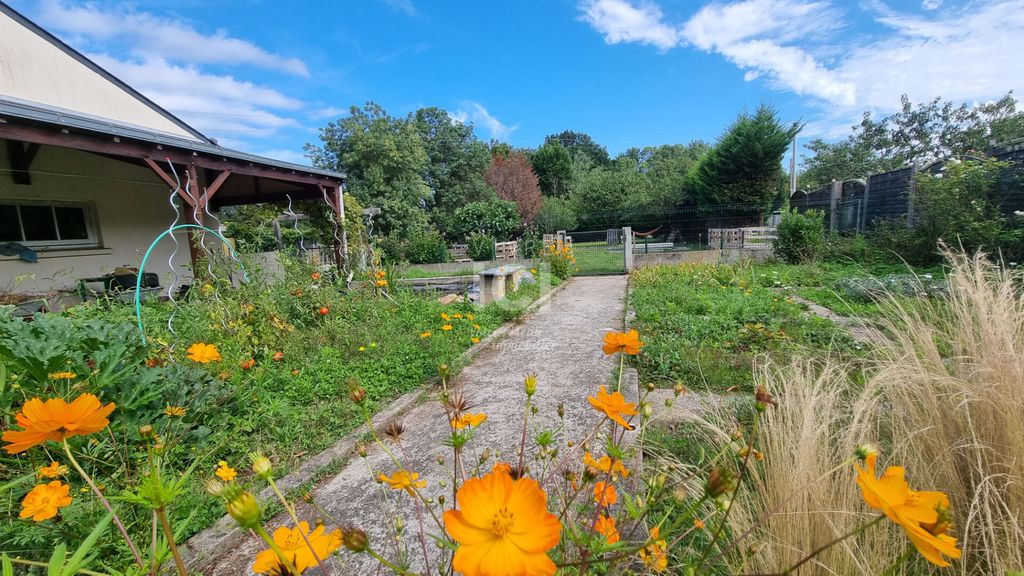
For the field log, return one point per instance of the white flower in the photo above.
(928, 276)
(1018, 212)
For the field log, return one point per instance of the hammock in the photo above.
(648, 233)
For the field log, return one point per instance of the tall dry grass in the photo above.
(944, 398)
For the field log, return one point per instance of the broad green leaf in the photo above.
(79, 558)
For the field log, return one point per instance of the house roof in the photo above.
(82, 59)
(18, 116)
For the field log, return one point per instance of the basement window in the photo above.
(50, 224)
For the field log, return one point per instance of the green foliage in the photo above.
(480, 247)
(801, 236)
(930, 131)
(666, 168)
(385, 160)
(581, 144)
(389, 248)
(744, 166)
(553, 165)
(556, 214)
(497, 218)
(603, 194)
(704, 324)
(456, 161)
(426, 247)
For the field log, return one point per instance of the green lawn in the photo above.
(595, 258)
(704, 325)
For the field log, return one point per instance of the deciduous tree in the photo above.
(513, 179)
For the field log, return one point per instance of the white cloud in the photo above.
(225, 106)
(285, 155)
(476, 113)
(148, 36)
(329, 112)
(968, 53)
(405, 6)
(622, 21)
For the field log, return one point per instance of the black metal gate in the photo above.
(599, 252)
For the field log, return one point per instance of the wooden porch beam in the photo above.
(21, 157)
(216, 184)
(119, 146)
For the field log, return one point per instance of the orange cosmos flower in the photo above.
(175, 411)
(278, 356)
(54, 420)
(315, 276)
(302, 555)
(54, 470)
(502, 527)
(426, 334)
(923, 515)
(653, 555)
(403, 480)
(63, 376)
(203, 353)
(605, 494)
(474, 340)
(606, 527)
(225, 472)
(445, 316)
(614, 406)
(247, 364)
(625, 342)
(43, 501)
(457, 316)
(605, 465)
(446, 327)
(473, 420)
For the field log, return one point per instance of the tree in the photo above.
(384, 159)
(556, 214)
(604, 194)
(581, 142)
(497, 218)
(513, 179)
(553, 166)
(925, 133)
(665, 168)
(745, 164)
(456, 161)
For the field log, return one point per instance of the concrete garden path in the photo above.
(560, 342)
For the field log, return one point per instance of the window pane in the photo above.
(71, 223)
(9, 230)
(38, 223)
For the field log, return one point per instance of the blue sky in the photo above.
(263, 75)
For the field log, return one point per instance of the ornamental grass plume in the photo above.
(300, 547)
(502, 526)
(55, 420)
(44, 501)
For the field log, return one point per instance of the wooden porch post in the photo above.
(338, 205)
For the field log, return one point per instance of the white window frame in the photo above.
(89, 213)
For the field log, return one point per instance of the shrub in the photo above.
(801, 236)
(560, 259)
(426, 247)
(480, 247)
(389, 249)
(497, 218)
(531, 243)
(556, 214)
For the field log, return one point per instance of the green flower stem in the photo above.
(161, 514)
(262, 533)
(832, 543)
(106, 504)
(384, 561)
(44, 565)
(295, 519)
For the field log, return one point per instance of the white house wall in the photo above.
(129, 203)
(33, 69)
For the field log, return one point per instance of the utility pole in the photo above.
(792, 170)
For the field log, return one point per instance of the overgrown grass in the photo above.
(289, 408)
(705, 324)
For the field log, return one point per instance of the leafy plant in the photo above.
(426, 247)
(480, 247)
(801, 236)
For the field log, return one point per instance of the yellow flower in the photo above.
(426, 334)
(476, 326)
(653, 555)
(446, 327)
(176, 411)
(445, 316)
(625, 342)
(605, 465)
(474, 340)
(362, 348)
(457, 316)
(918, 513)
(203, 353)
(469, 317)
(503, 527)
(605, 494)
(605, 526)
(614, 406)
(225, 472)
(43, 501)
(54, 470)
(54, 420)
(63, 376)
(403, 480)
(473, 420)
(533, 271)
(292, 544)
(382, 283)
